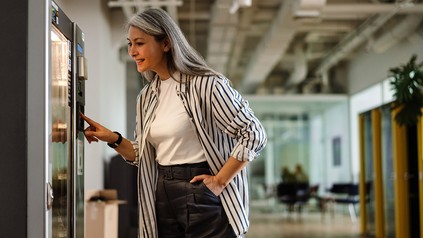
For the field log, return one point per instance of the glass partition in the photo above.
(60, 149)
(388, 172)
(369, 175)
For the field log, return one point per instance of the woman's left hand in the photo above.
(211, 183)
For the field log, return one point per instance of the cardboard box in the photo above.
(101, 213)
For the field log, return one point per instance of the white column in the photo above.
(269, 163)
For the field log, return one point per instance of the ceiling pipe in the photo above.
(134, 7)
(271, 48)
(394, 35)
(355, 39)
(325, 87)
(245, 20)
(222, 35)
(352, 41)
(310, 8)
(406, 7)
(300, 67)
(152, 3)
(128, 11)
(236, 4)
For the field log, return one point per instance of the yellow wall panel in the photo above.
(420, 162)
(399, 135)
(362, 178)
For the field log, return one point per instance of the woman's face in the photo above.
(147, 52)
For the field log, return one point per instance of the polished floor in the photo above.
(279, 223)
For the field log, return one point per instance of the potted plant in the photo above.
(407, 83)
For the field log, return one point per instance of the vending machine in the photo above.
(65, 148)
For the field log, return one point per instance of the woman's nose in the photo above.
(131, 51)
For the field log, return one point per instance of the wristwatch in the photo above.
(116, 143)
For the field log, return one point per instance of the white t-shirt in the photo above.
(171, 132)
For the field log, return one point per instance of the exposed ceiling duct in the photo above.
(271, 47)
(236, 4)
(371, 8)
(257, 46)
(310, 8)
(401, 30)
(300, 66)
(245, 19)
(133, 7)
(352, 41)
(222, 34)
(365, 31)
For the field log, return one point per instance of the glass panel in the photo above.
(369, 176)
(287, 147)
(388, 172)
(61, 133)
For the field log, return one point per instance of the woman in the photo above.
(193, 139)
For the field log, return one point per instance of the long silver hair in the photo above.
(182, 57)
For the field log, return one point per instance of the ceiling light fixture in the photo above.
(236, 4)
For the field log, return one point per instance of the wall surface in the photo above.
(325, 127)
(13, 119)
(336, 127)
(369, 68)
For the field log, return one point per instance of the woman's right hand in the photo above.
(95, 131)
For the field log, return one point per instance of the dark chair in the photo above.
(286, 193)
(339, 188)
(348, 194)
(293, 194)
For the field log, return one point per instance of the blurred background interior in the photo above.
(310, 69)
(307, 68)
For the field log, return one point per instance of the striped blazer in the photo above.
(225, 126)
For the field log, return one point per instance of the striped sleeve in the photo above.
(234, 117)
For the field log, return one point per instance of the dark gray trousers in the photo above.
(186, 210)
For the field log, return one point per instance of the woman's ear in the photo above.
(166, 44)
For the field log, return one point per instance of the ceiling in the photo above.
(286, 46)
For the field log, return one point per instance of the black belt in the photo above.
(184, 171)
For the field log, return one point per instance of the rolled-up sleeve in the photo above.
(234, 117)
(137, 155)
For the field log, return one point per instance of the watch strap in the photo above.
(117, 142)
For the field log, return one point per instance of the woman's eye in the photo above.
(136, 43)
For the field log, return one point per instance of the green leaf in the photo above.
(407, 83)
